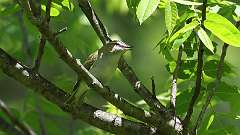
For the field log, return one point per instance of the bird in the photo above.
(102, 64)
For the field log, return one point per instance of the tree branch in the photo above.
(95, 21)
(85, 112)
(174, 81)
(8, 128)
(43, 38)
(216, 84)
(123, 66)
(24, 128)
(153, 87)
(199, 72)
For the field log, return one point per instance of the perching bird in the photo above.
(103, 63)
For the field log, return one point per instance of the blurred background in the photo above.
(20, 39)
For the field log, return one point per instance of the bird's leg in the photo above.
(74, 91)
(80, 100)
(109, 90)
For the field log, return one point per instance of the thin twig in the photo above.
(43, 38)
(26, 129)
(35, 7)
(40, 53)
(216, 84)
(95, 21)
(60, 31)
(199, 73)
(41, 115)
(153, 87)
(37, 66)
(25, 41)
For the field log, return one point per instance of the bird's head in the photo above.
(116, 46)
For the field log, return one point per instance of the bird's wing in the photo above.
(90, 60)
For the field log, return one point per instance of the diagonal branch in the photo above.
(85, 112)
(217, 82)
(95, 21)
(9, 128)
(123, 66)
(199, 72)
(24, 128)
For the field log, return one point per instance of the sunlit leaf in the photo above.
(180, 41)
(112, 109)
(171, 66)
(186, 28)
(185, 2)
(145, 9)
(68, 4)
(237, 10)
(210, 121)
(223, 29)
(162, 3)
(214, 9)
(187, 14)
(205, 39)
(237, 117)
(53, 11)
(171, 16)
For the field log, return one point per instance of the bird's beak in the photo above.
(128, 47)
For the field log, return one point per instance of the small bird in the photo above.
(103, 63)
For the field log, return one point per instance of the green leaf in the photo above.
(185, 2)
(223, 29)
(53, 11)
(68, 4)
(210, 68)
(132, 5)
(205, 39)
(210, 121)
(226, 92)
(171, 66)
(162, 3)
(187, 69)
(145, 9)
(180, 41)
(185, 29)
(187, 14)
(8, 10)
(171, 16)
